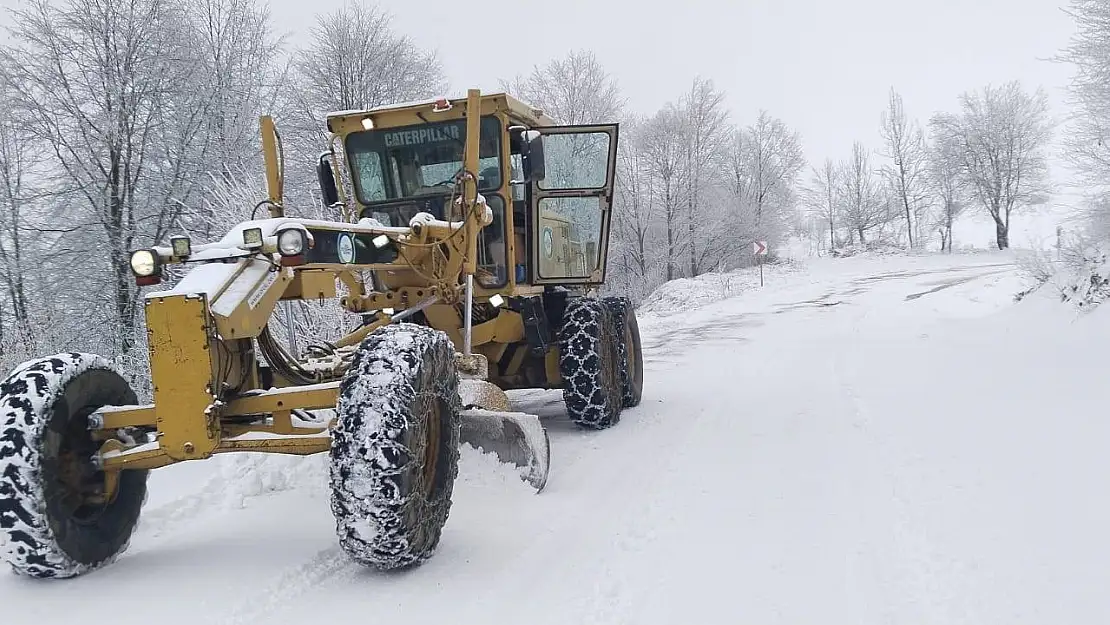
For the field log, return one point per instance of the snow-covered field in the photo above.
(874, 439)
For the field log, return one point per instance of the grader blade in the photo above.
(516, 438)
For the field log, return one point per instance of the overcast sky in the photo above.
(823, 66)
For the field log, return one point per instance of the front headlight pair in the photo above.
(147, 265)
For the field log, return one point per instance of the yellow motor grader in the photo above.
(470, 244)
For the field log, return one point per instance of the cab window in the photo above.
(397, 163)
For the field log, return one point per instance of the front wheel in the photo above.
(57, 515)
(395, 446)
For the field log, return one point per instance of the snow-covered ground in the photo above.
(872, 439)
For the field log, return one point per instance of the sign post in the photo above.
(759, 248)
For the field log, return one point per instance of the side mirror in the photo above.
(531, 152)
(326, 178)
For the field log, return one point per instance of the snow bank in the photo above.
(685, 294)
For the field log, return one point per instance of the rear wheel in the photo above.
(57, 515)
(395, 447)
(631, 360)
(588, 364)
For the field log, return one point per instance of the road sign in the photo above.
(759, 248)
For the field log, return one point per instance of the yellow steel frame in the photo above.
(199, 336)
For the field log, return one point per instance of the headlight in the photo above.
(144, 263)
(291, 242)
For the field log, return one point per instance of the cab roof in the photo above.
(392, 114)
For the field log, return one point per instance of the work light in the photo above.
(252, 237)
(182, 247)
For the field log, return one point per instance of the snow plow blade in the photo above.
(516, 438)
(490, 425)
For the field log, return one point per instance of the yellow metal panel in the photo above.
(292, 445)
(312, 397)
(507, 327)
(182, 372)
(118, 417)
(274, 182)
(244, 307)
(446, 318)
(311, 285)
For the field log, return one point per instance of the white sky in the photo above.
(823, 66)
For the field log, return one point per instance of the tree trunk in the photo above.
(909, 220)
(1002, 233)
(670, 242)
(862, 241)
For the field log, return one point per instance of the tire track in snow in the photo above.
(291, 584)
(240, 478)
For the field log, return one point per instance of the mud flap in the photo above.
(516, 438)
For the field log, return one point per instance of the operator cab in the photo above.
(552, 212)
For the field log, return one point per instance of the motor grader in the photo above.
(469, 243)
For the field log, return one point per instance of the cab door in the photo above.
(575, 195)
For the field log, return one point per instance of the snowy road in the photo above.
(834, 449)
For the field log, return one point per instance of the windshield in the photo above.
(396, 163)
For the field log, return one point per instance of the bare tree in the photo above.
(242, 77)
(1088, 139)
(777, 160)
(1000, 138)
(574, 89)
(242, 74)
(16, 163)
(864, 205)
(632, 250)
(357, 61)
(821, 196)
(663, 150)
(703, 126)
(905, 147)
(947, 187)
(107, 86)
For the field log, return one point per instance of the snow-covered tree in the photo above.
(108, 89)
(905, 173)
(821, 196)
(862, 199)
(705, 139)
(357, 60)
(947, 187)
(1088, 137)
(1000, 137)
(16, 196)
(574, 89)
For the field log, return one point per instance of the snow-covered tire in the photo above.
(588, 364)
(631, 360)
(395, 446)
(44, 405)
